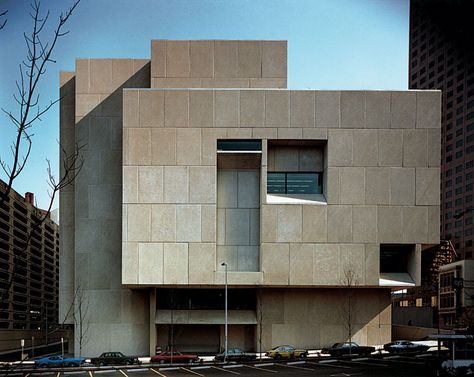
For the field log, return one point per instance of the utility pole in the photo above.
(225, 309)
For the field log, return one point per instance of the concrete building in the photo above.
(441, 57)
(29, 276)
(200, 156)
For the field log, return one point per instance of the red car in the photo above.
(174, 357)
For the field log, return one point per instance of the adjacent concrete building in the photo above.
(29, 276)
(201, 156)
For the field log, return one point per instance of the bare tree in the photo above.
(4, 22)
(260, 313)
(32, 70)
(348, 308)
(81, 318)
(39, 55)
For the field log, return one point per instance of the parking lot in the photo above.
(390, 366)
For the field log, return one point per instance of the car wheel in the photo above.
(277, 356)
(162, 361)
(101, 364)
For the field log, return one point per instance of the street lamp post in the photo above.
(225, 309)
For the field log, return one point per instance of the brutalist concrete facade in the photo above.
(163, 201)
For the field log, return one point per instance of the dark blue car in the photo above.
(59, 361)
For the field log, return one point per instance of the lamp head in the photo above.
(223, 264)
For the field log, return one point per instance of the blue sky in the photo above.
(332, 44)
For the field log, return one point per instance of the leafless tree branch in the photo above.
(38, 57)
(2, 24)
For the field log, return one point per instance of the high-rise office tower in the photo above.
(442, 57)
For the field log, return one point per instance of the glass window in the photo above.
(294, 183)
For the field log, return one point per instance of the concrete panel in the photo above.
(202, 263)
(209, 138)
(328, 105)
(340, 147)
(352, 185)
(269, 223)
(239, 133)
(150, 184)
(152, 108)
(175, 266)
(249, 59)
(177, 59)
(150, 262)
(289, 133)
(86, 103)
(226, 189)
(277, 109)
(229, 255)
(326, 262)
(352, 109)
(275, 263)
(237, 226)
(403, 110)
(389, 224)
(248, 189)
(390, 147)
(415, 224)
(274, 59)
(227, 108)
(163, 146)
(82, 76)
(225, 58)
(201, 108)
(365, 152)
(427, 186)
(158, 58)
(188, 146)
(302, 106)
(129, 263)
(402, 186)
(289, 223)
(378, 109)
(315, 223)
(433, 224)
(315, 133)
(415, 148)
(208, 223)
(377, 186)
(434, 147)
(201, 58)
(352, 265)
(130, 184)
(254, 226)
(339, 223)
(301, 264)
(248, 257)
(280, 83)
(163, 223)
(364, 224)
(130, 108)
(139, 146)
(100, 80)
(252, 109)
(188, 223)
(138, 221)
(202, 184)
(331, 189)
(428, 109)
(99, 134)
(372, 264)
(176, 108)
(176, 184)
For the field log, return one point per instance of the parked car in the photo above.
(405, 346)
(114, 358)
(175, 357)
(235, 354)
(59, 361)
(348, 348)
(286, 352)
